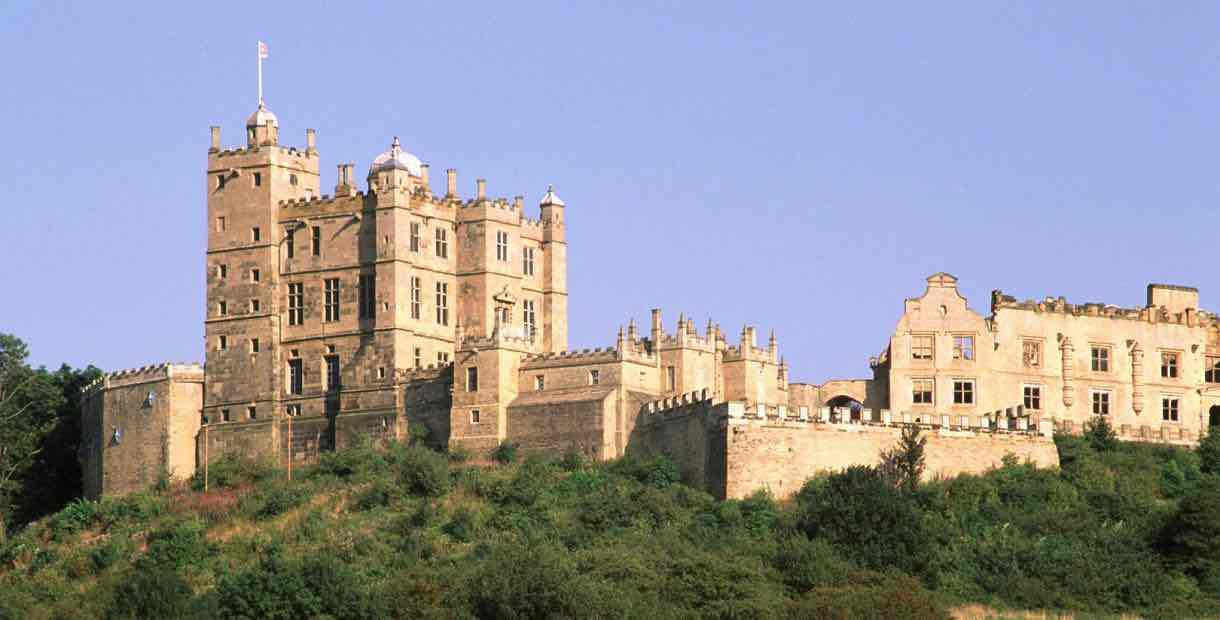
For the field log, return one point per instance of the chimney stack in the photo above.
(481, 193)
(451, 183)
(311, 141)
(215, 140)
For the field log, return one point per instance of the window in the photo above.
(1212, 372)
(220, 181)
(539, 383)
(671, 378)
(528, 318)
(251, 413)
(1101, 402)
(223, 308)
(442, 303)
(296, 303)
(290, 243)
(595, 377)
(294, 411)
(474, 416)
(381, 372)
(1169, 365)
(415, 298)
(414, 236)
(368, 296)
(256, 234)
(255, 305)
(1100, 357)
(292, 180)
(921, 347)
(501, 245)
(254, 345)
(963, 392)
(1033, 397)
(222, 343)
(258, 179)
(296, 376)
(330, 305)
(472, 379)
(527, 259)
(442, 357)
(921, 391)
(255, 275)
(1169, 409)
(316, 241)
(222, 271)
(224, 415)
(419, 357)
(220, 224)
(963, 347)
(1031, 353)
(332, 373)
(442, 243)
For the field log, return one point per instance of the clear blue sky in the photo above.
(802, 168)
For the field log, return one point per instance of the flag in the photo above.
(262, 50)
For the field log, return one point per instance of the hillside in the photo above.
(406, 532)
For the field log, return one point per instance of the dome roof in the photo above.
(397, 158)
(262, 116)
(551, 198)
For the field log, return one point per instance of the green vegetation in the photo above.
(409, 532)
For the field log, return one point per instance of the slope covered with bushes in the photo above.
(407, 532)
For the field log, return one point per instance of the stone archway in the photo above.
(844, 408)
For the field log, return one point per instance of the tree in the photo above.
(1209, 453)
(28, 401)
(903, 465)
(1100, 434)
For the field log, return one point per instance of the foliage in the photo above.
(1209, 453)
(903, 465)
(1100, 434)
(152, 592)
(505, 453)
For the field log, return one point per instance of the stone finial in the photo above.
(631, 333)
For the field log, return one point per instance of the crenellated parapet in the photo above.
(186, 371)
(1190, 317)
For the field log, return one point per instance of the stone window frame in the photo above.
(296, 303)
(330, 300)
(923, 397)
(1101, 357)
(1036, 396)
(529, 317)
(251, 412)
(222, 308)
(256, 234)
(255, 306)
(472, 379)
(333, 372)
(595, 376)
(417, 296)
(1171, 364)
(366, 284)
(527, 261)
(965, 388)
(293, 410)
(475, 417)
(419, 357)
(255, 345)
(290, 243)
(222, 271)
(222, 342)
(442, 303)
(315, 241)
(1101, 406)
(256, 275)
(918, 348)
(1171, 408)
(1211, 369)
(1038, 346)
(413, 238)
(295, 376)
(539, 383)
(671, 378)
(502, 245)
(963, 347)
(442, 357)
(225, 415)
(442, 243)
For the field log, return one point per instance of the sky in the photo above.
(801, 167)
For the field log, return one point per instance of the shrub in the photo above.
(1192, 536)
(151, 592)
(424, 472)
(75, 517)
(903, 464)
(657, 471)
(277, 587)
(893, 597)
(1209, 453)
(806, 564)
(275, 499)
(232, 470)
(179, 545)
(354, 462)
(379, 493)
(108, 553)
(573, 460)
(505, 453)
(1100, 434)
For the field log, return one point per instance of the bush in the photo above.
(505, 453)
(174, 547)
(232, 470)
(1100, 434)
(152, 592)
(891, 597)
(1209, 453)
(318, 586)
(77, 516)
(274, 499)
(806, 564)
(657, 471)
(1192, 536)
(423, 472)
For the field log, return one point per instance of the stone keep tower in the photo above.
(245, 242)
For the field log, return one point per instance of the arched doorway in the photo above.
(845, 409)
(1213, 416)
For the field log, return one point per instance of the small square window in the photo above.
(223, 308)
(595, 377)
(1100, 359)
(255, 275)
(258, 179)
(539, 383)
(963, 392)
(256, 234)
(224, 415)
(1033, 397)
(255, 305)
(921, 347)
(381, 372)
(474, 416)
(220, 224)
(254, 345)
(1169, 409)
(1101, 402)
(921, 391)
(251, 413)
(1170, 364)
(294, 410)
(1031, 353)
(222, 343)
(963, 347)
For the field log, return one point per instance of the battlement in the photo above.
(177, 370)
(1190, 317)
(288, 151)
(423, 373)
(607, 354)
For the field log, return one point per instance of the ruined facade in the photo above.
(389, 310)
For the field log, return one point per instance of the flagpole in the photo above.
(258, 53)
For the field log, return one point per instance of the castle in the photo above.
(391, 310)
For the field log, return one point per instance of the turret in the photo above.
(262, 128)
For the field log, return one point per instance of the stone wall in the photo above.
(581, 420)
(720, 449)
